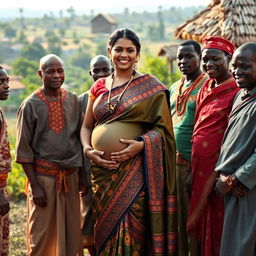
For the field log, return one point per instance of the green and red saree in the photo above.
(135, 205)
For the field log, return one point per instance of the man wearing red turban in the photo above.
(214, 102)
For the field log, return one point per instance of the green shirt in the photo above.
(183, 121)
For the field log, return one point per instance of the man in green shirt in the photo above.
(183, 95)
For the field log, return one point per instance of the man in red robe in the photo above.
(214, 102)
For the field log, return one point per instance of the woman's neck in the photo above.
(122, 76)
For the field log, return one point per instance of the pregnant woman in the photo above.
(127, 134)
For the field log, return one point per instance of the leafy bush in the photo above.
(17, 177)
(158, 67)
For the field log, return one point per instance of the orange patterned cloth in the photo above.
(3, 180)
(5, 155)
(55, 110)
(49, 169)
(4, 230)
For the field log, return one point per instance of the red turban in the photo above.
(216, 42)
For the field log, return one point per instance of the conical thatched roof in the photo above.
(234, 20)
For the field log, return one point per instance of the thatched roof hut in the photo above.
(170, 52)
(234, 20)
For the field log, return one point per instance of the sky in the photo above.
(98, 5)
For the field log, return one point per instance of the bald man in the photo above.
(48, 122)
(100, 66)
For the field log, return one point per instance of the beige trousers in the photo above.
(54, 230)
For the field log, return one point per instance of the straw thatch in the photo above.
(170, 52)
(234, 20)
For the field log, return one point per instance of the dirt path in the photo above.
(17, 229)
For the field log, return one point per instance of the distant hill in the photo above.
(12, 13)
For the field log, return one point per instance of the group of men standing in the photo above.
(216, 148)
(213, 116)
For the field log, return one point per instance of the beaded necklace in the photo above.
(183, 96)
(112, 107)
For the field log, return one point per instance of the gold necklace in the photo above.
(112, 107)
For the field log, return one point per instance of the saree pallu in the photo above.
(206, 209)
(135, 205)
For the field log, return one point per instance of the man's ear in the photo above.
(40, 73)
(229, 57)
(90, 73)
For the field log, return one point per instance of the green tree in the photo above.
(62, 32)
(153, 32)
(81, 59)
(161, 27)
(27, 70)
(61, 14)
(76, 39)
(71, 12)
(22, 37)
(22, 21)
(126, 11)
(77, 78)
(9, 31)
(24, 67)
(101, 48)
(54, 42)
(159, 68)
(33, 51)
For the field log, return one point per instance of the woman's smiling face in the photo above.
(124, 54)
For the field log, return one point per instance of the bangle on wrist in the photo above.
(86, 149)
(231, 182)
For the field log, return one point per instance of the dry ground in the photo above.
(17, 229)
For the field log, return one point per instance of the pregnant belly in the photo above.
(106, 137)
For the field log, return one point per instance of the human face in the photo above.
(4, 85)
(100, 69)
(187, 59)
(244, 69)
(52, 74)
(123, 54)
(215, 64)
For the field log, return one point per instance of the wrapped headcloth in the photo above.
(217, 42)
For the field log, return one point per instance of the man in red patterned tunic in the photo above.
(214, 103)
(49, 150)
(5, 167)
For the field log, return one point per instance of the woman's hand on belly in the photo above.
(95, 156)
(133, 148)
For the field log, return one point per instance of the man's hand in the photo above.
(221, 187)
(39, 195)
(239, 190)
